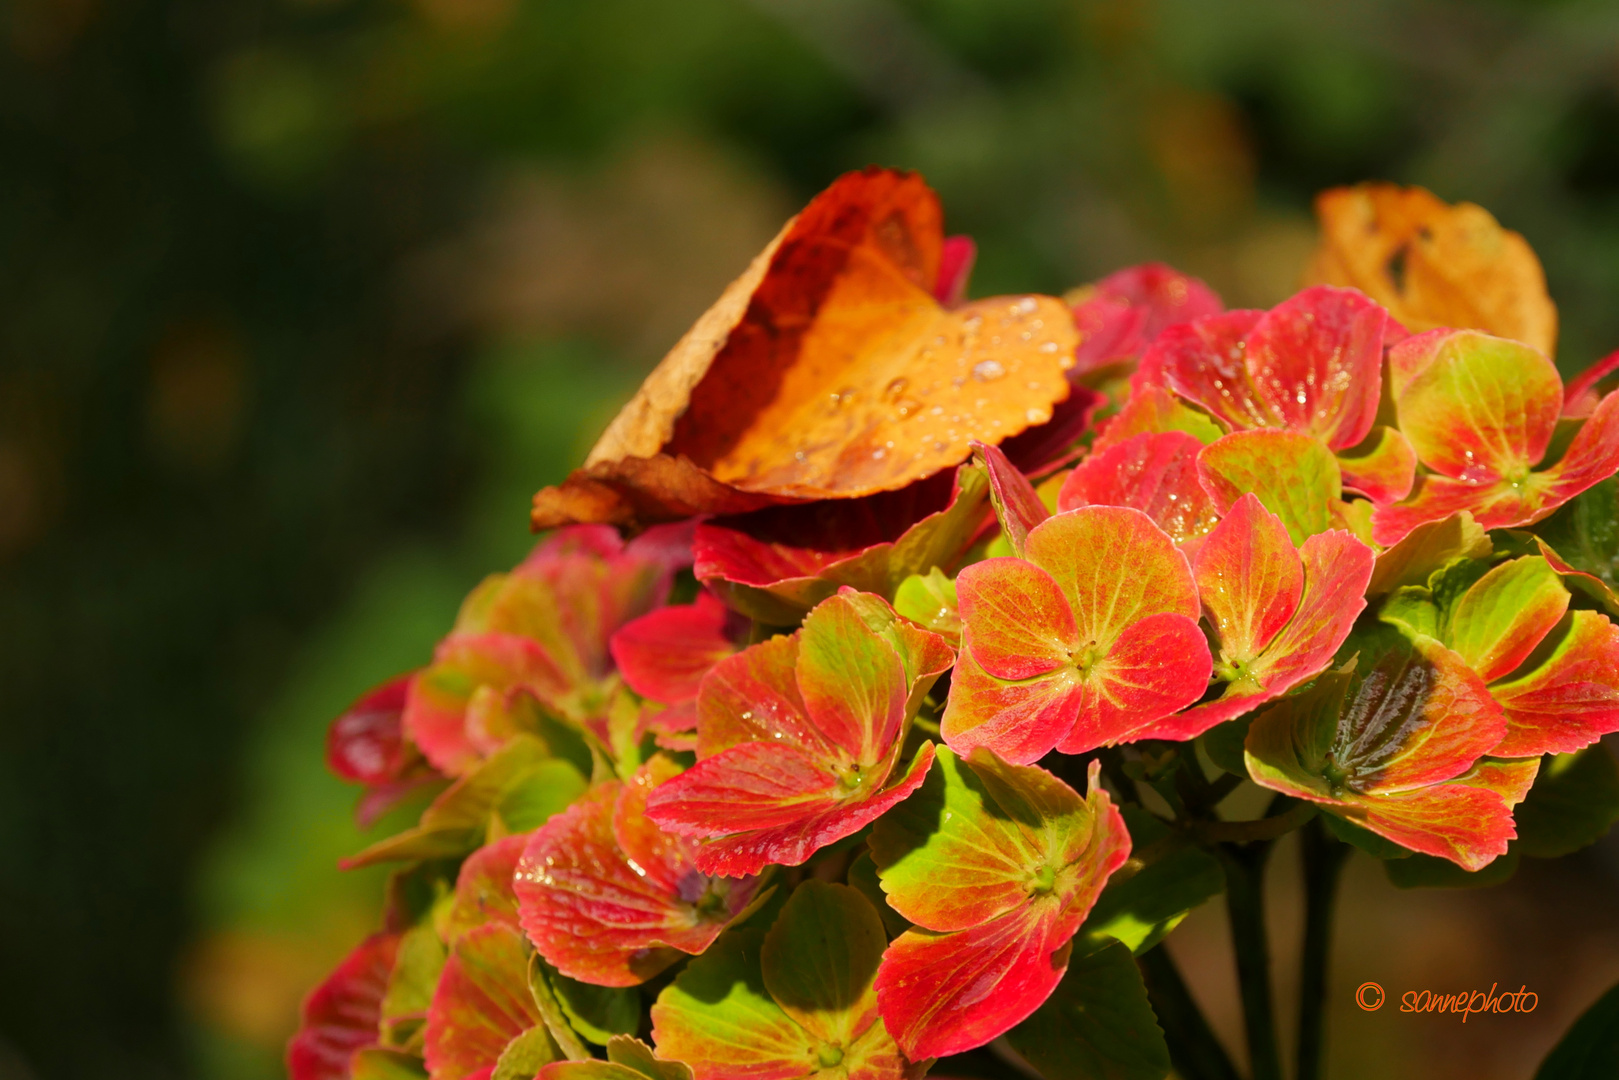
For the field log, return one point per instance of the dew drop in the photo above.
(896, 388)
(988, 370)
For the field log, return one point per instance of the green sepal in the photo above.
(1574, 802)
(515, 790)
(634, 1054)
(1140, 910)
(1097, 1024)
(1223, 744)
(377, 1063)
(1590, 1050)
(929, 600)
(417, 965)
(526, 1055)
(1427, 548)
(1428, 872)
(567, 1040)
(627, 1059)
(599, 1013)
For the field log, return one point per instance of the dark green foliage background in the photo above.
(183, 601)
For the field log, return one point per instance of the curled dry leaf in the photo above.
(1433, 264)
(828, 370)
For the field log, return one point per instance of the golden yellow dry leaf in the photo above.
(827, 370)
(1433, 264)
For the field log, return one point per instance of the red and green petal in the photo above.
(1155, 473)
(753, 697)
(1083, 551)
(1421, 716)
(1315, 363)
(481, 1004)
(984, 837)
(1336, 569)
(1476, 408)
(945, 993)
(1468, 825)
(600, 917)
(1063, 649)
(1156, 667)
(664, 654)
(1500, 619)
(1592, 457)
(342, 1014)
(1020, 622)
(435, 715)
(1205, 362)
(1384, 471)
(1295, 477)
(1467, 820)
(1017, 505)
(585, 908)
(483, 887)
(1503, 493)
(1009, 842)
(853, 683)
(792, 843)
(1021, 721)
(1154, 410)
(1250, 580)
(1570, 700)
(719, 1018)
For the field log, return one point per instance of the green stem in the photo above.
(1245, 904)
(1323, 858)
(1193, 1047)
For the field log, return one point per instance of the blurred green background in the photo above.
(301, 299)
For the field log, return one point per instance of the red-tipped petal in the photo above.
(946, 993)
(1580, 396)
(1205, 362)
(1385, 471)
(1157, 667)
(956, 260)
(1021, 623)
(1315, 363)
(1017, 506)
(341, 1014)
(791, 843)
(1570, 700)
(1155, 473)
(481, 1004)
(1249, 578)
(365, 744)
(664, 654)
(1020, 721)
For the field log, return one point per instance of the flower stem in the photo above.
(1323, 858)
(1193, 1047)
(1245, 904)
